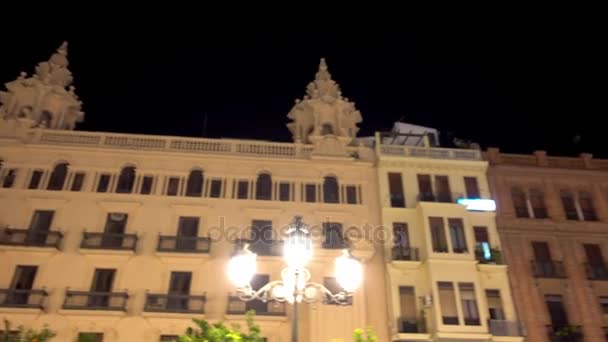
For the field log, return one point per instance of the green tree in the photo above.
(25, 335)
(367, 335)
(219, 332)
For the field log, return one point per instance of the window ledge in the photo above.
(77, 312)
(261, 318)
(192, 258)
(20, 310)
(172, 315)
(492, 268)
(411, 337)
(106, 251)
(40, 250)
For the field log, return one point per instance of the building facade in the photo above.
(126, 237)
(445, 280)
(553, 217)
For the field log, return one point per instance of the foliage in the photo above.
(25, 335)
(568, 331)
(367, 335)
(496, 256)
(218, 332)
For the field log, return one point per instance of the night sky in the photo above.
(520, 82)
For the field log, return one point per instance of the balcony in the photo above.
(236, 306)
(412, 326)
(261, 247)
(548, 269)
(183, 244)
(31, 238)
(86, 300)
(596, 271)
(500, 327)
(403, 253)
(491, 256)
(430, 152)
(171, 303)
(23, 299)
(442, 197)
(566, 333)
(125, 242)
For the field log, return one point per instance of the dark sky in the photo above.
(522, 81)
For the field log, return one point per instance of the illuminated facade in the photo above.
(126, 237)
(445, 280)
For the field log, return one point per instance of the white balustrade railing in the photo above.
(430, 152)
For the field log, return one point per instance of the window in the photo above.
(261, 237)
(216, 188)
(604, 304)
(482, 244)
(263, 187)
(471, 187)
(351, 194)
(179, 285)
(586, 203)
(77, 181)
(459, 241)
(400, 234)
(242, 191)
(334, 287)
(395, 185)
(35, 180)
(519, 202)
(439, 241)
(330, 190)
(173, 186)
(569, 205)
(194, 186)
(58, 176)
(495, 305)
(469, 304)
(187, 231)
(126, 180)
(41, 222)
(284, 192)
(114, 230)
(311, 193)
(557, 312)
(9, 179)
(537, 200)
(103, 281)
(90, 337)
(169, 338)
(447, 303)
(257, 282)
(442, 185)
(23, 280)
(426, 188)
(146, 185)
(334, 237)
(407, 305)
(104, 183)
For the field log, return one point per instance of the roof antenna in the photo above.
(204, 125)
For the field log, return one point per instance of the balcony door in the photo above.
(187, 232)
(261, 237)
(22, 282)
(556, 310)
(258, 281)
(542, 256)
(103, 281)
(426, 188)
(39, 227)
(180, 288)
(114, 229)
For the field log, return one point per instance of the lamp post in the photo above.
(295, 286)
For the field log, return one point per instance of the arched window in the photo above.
(330, 190)
(126, 180)
(327, 128)
(194, 186)
(519, 202)
(263, 187)
(58, 176)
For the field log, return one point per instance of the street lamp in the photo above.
(295, 286)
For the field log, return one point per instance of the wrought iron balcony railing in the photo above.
(87, 300)
(109, 241)
(175, 303)
(405, 253)
(30, 238)
(261, 247)
(26, 299)
(236, 306)
(184, 244)
(500, 327)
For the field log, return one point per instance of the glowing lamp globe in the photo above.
(241, 268)
(297, 250)
(349, 272)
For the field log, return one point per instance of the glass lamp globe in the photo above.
(241, 268)
(349, 272)
(297, 250)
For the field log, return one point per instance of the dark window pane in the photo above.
(334, 236)
(537, 200)
(23, 279)
(459, 242)
(519, 202)
(395, 185)
(557, 312)
(311, 193)
(330, 190)
(114, 228)
(263, 187)
(35, 180)
(351, 194)
(58, 176)
(187, 228)
(470, 310)
(194, 186)
(172, 186)
(146, 185)
(569, 205)
(541, 251)
(126, 180)
(594, 254)
(586, 203)
(9, 179)
(472, 188)
(438, 238)
(242, 189)
(78, 181)
(216, 188)
(426, 188)
(444, 193)
(104, 183)
(284, 192)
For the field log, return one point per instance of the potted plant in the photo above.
(568, 333)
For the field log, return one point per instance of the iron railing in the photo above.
(88, 300)
(412, 326)
(501, 327)
(405, 253)
(261, 247)
(184, 244)
(27, 299)
(237, 306)
(109, 241)
(31, 238)
(566, 333)
(175, 303)
(596, 271)
(548, 269)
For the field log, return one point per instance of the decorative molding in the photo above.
(119, 206)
